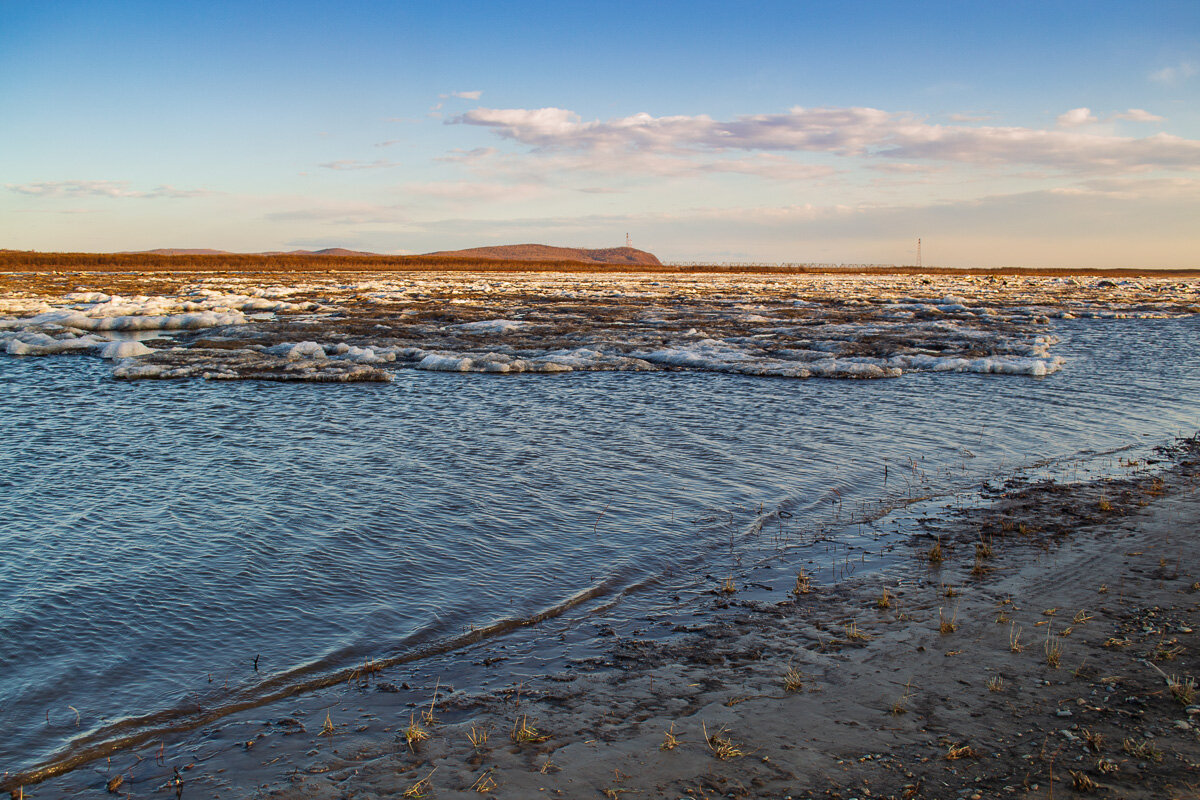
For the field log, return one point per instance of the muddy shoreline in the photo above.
(1049, 651)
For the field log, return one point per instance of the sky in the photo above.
(1002, 133)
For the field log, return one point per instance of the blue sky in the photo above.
(1001, 133)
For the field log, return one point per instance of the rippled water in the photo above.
(158, 536)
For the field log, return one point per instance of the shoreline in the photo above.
(19, 263)
(797, 692)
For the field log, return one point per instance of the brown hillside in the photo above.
(544, 252)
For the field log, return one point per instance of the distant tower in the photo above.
(628, 241)
(918, 253)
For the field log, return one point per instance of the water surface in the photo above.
(157, 537)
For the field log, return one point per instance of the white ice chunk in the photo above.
(122, 349)
(439, 363)
(298, 351)
(497, 326)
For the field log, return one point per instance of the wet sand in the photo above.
(823, 693)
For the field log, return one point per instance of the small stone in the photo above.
(1183, 725)
(1063, 712)
(1193, 710)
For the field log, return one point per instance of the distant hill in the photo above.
(182, 251)
(328, 251)
(506, 252)
(543, 252)
(202, 251)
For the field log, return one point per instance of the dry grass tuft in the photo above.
(727, 586)
(949, 625)
(1082, 783)
(984, 549)
(720, 744)
(1082, 617)
(949, 591)
(362, 675)
(1144, 750)
(1094, 740)
(957, 751)
(1106, 766)
(1182, 689)
(420, 789)
(524, 733)
(485, 783)
(1014, 638)
(885, 600)
(803, 584)
(854, 634)
(793, 680)
(1167, 650)
(901, 705)
(670, 740)
(477, 736)
(414, 734)
(427, 715)
(1113, 641)
(1053, 650)
(995, 684)
(936, 555)
(327, 726)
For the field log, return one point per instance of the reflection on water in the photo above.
(157, 537)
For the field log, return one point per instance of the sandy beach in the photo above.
(1049, 652)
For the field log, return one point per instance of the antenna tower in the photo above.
(628, 241)
(918, 253)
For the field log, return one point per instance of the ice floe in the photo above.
(349, 327)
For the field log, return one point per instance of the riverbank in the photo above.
(1050, 650)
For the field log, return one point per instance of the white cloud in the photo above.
(970, 117)
(471, 191)
(113, 189)
(904, 168)
(551, 167)
(860, 132)
(1179, 72)
(351, 164)
(1076, 117)
(338, 213)
(460, 156)
(472, 95)
(1138, 115)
